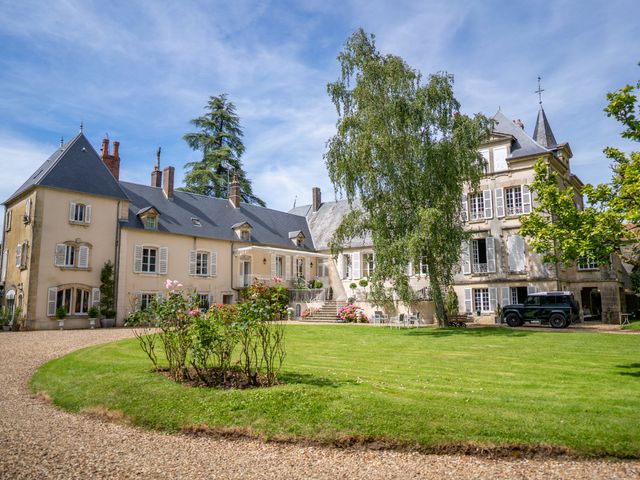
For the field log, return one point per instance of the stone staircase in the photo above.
(328, 312)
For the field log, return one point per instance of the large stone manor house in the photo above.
(74, 213)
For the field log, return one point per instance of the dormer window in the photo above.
(149, 217)
(297, 237)
(196, 222)
(243, 231)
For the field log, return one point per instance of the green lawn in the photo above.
(422, 387)
(634, 325)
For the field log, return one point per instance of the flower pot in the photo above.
(92, 323)
(61, 324)
(108, 322)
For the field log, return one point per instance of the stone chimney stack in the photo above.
(167, 186)
(316, 199)
(519, 123)
(234, 192)
(112, 161)
(156, 175)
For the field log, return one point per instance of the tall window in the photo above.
(203, 301)
(64, 299)
(146, 301)
(300, 267)
(202, 263)
(424, 270)
(348, 268)
(514, 200)
(280, 266)
(79, 213)
(368, 264)
(481, 299)
(82, 300)
(479, 255)
(69, 256)
(149, 260)
(476, 202)
(323, 267)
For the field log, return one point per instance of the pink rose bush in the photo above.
(352, 314)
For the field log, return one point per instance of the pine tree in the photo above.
(219, 138)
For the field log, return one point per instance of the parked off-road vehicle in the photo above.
(557, 309)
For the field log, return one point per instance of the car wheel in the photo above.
(513, 320)
(557, 321)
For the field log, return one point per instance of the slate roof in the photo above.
(542, 133)
(74, 166)
(217, 217)
(326, 220)
(522, 145)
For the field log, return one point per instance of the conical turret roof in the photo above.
(543, 133)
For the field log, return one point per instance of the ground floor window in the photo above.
(481, 299)
(64, 299)
(300, 267)
(518, 295)
(146, 301)
(227, 299)
(323, 267)
(82, 301)
(203, 301)
(587, 263)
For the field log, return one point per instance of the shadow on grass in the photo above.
(631, 366)
(474, 332)
(306, 379)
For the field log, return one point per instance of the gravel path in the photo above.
(40, 441)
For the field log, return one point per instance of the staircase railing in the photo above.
(307, 295)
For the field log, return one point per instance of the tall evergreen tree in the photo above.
(219, 138)
(402, 154)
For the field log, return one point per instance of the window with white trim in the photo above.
(587, 263)
(368, 264)
(300, 267)
(203, 301)
(479, 255)
(64, 299)
(279, 266)
(8, 216)
(72, 255)
(481, 300)
(79, 213)
(150, 222)
(83, 300)
(69, 256)
(424, 270)
(245, 235)
(347, 266)
(149, 260)
(146, 301)
(476, 204)
(514, 200)
(202, 263)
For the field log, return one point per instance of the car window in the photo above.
(532, 301)
(549, 300)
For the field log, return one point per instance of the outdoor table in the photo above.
(624, 318)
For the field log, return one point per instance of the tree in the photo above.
(402, 154)
(563, 233)
(219, 137)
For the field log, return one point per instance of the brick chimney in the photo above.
(167, 186)
(112, 161)
(156, 174)
(316, 199)
(234, 192)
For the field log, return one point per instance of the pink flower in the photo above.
(276, 279)
(172, 285)
(194, 312)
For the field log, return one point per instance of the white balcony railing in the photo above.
(307, 295)
(479, 268)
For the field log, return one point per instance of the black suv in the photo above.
(557, 309)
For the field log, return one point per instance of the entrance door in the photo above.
(591, 303)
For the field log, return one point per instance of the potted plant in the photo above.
(61, 313)
(5, 318)
(107, 295)
(93, 315)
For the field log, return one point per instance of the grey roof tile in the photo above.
(75, 166)
(523, 145)
(542, 133)
(217, 217)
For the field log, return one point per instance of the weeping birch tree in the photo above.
(402, 155)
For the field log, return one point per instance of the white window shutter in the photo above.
(137, 259)
(19, 256)
(488, 204)
(5, 256)
(466, 258)
(214, 265)
(273, 265)
(340, 265)
(506, 296)
(95, 297)
(468, 308)
(499, 192)
(492, 299)
(58, 259)
(464, 208)
(27, 208)
(192, 262)
(287, 267)
(515, 245)
(87, 214)
(531, 289)
(526, 199)
(83, 257)
(491, 255)
(355, 265)
(409, 270)
(7, 220)
(72, 211)
(163, 262)
(52, 300)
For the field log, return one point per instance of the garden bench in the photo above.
(458, 320)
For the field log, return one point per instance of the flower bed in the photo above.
(352, 314)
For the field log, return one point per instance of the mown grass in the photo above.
(634, 325)
(415, 387)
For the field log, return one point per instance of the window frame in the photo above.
(85, 301)
(511, 197)
(480, 297)
(203, 258)
(476, 206)
(586, 264)
(155, 251)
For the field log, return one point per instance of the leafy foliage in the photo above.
(561, 232)
(107, 290)
(219, 137)
(402, 155)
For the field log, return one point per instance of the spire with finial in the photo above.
(81, 126)
(61, 141)
(542, 132)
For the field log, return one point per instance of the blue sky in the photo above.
(140, 71)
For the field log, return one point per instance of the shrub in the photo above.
(364, 282)
(451, 302)
(309, 311)
(107, 290)
(61, 312)
(317, 284)
(352, 314)
(353, 285)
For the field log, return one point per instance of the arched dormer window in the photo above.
(149, 217)
(243, 231)
(297, 237)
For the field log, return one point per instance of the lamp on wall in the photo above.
(311, 264)
(264, 261)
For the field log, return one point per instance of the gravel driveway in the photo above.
(39, 441)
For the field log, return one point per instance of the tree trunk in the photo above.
(438, 299)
